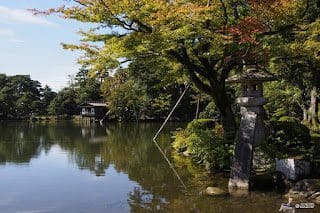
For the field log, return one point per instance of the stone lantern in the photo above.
(252, 130)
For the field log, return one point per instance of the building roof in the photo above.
(93, 104)
(251, 75)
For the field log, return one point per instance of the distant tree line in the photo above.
(20, 97)
(134, 93)
(140, 92)
(81, 89)
(137, 92)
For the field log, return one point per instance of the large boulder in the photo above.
(306, 189)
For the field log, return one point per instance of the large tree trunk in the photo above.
(229, 124)
(215, 88)
(313, 110)
(227, 116)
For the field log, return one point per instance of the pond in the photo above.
(66, 167)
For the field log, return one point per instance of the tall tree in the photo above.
(88, 89)
(64, 103)
(47, 96)
(209, 39)
(20, 96)
(296, 58)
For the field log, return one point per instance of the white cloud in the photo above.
(6, 32)
(22, 16)
(10, 36)
(17, 41)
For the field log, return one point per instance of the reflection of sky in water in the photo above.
(63, 167)
(51, 183)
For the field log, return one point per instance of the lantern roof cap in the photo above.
(251, 75)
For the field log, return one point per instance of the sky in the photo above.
(32, 44)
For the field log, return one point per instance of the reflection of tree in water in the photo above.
(22, 141)
(18, 145)
(127, 147)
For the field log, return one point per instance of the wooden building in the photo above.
(93, 111)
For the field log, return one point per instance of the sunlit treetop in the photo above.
(208, 37)
(205, 40)
(181, 20)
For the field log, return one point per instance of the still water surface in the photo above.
(64, 167)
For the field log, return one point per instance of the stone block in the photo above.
(251, 101)
(293, 169)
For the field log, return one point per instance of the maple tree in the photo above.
(207, 39)
(296, 58)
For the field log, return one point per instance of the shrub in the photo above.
(204, 142)
(200, 124)
(288, 119)
(210, 111)
(288, 139)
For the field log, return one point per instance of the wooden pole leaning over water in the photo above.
(161, 128)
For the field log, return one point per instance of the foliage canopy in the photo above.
(205, 39)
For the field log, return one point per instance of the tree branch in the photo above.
(307, 8)
(226, 69)
(143, 26)
(82, 3)
(281, 29)
(124, 24)
(234, 6)
(191, 68)
(128, 26)
(225, 13)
